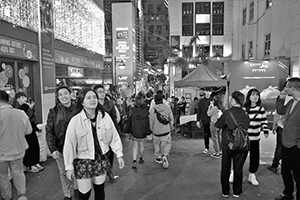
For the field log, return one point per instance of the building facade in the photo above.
(156, 26)
(211, 21)
(67, 46)
(267, 30)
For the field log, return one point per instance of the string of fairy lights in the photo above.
(20, 13)
(81, 23)
(78, 22)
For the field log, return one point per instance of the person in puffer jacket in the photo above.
(161, 132)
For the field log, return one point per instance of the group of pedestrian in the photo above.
(252, 116)
(83, 137)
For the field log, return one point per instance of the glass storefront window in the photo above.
(16, 76)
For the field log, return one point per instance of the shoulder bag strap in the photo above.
(233, 118)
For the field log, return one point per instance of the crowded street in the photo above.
(191, 175)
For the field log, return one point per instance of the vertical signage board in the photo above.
(123, 33)
(47, 46)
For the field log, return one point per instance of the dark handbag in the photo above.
(161, 118)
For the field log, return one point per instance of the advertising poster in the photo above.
(47, 46)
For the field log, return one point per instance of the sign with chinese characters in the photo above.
(66, 58)
(124, 47)
(18, 49)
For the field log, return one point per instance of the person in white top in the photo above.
(90, 134)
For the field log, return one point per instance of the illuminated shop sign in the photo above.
(122, 33)
(75, 72)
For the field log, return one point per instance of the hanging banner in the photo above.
(47, 46)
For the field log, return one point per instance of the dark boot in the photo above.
(99, 192)
(76, 194)
(82, 196)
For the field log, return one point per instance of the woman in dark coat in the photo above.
(238, 158)
(138, 126)
(32, 155)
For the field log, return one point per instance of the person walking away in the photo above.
(258, 123)
(14, 125)
(139, 128)
(203, 119)
(32, 154)
(215, 110)
(161, 132)
(108, 107)
(290, 163)
(89, 134)
(238, 158)
(57, 122)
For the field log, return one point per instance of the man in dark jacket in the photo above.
(203, 118)
(110, 108)
(57, 123)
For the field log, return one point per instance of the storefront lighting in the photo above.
(81, 23)
(22, 13)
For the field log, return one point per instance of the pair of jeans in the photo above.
(290, 170)
(65, 182)
(238, 159)
(16, 170)
(254, 156)
(216, 137)
(277, 153)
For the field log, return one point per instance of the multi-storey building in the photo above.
(211, 21)
(267, 30)
(156, 25)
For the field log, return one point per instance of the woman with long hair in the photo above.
(90, 134)
(258, 123)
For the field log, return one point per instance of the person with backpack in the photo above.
(258, 123)
(161, 123)
(138, 127)
(237, 157)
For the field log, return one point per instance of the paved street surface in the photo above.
(191, 176)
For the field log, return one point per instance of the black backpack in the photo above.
(238, 140)
(161, 118)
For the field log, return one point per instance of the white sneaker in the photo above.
(231, 176)
(205, 151)
(165, 162)
(252, 179)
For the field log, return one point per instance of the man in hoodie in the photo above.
(161, 132)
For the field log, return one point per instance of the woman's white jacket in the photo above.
(79, 141)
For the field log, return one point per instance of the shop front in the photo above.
(19, 64)
(77, 67)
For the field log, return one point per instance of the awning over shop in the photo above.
(200, 77)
